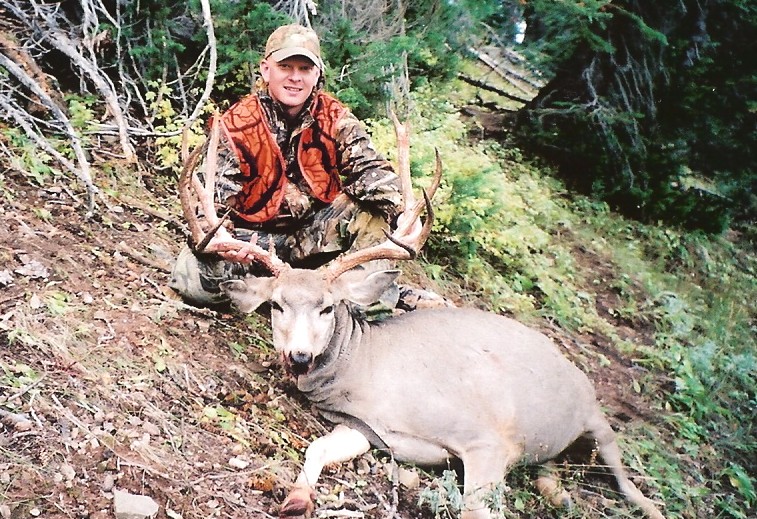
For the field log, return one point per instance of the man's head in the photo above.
(292, 66)
(294, 40)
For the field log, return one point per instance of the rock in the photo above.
(32, 268)
(108, 483)
(362, 466)
(238, 463)
(132, 506)
(409, 478)
(68, 472)
(6, 278)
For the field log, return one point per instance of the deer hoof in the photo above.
(299, 503)
(550, 488)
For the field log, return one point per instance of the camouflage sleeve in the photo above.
(228, 181)
(369, 177)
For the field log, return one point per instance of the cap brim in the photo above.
(283, 54)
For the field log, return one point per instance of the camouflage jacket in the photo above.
(367, 177)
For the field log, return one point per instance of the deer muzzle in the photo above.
(299, 362)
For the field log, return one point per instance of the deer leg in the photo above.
(484, 468)
(611, 456)
(341, 444)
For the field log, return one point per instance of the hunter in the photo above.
(295, 167)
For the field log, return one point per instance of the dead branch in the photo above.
(298, 10)
(62, 42)
(28, 64)
(514, 77)
(42, 20)
(490, 88)
(208, 23)
(137, 256)
(377, 20)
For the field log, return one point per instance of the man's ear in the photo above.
(249, 293)
(265, 70)
(364, 287)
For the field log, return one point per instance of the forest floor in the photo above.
(109, 381)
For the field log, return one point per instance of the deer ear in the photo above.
(249, 293)
(364, 287)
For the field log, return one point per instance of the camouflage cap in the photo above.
(294, 40)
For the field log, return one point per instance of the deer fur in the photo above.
(428, 385)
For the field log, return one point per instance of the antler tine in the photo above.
(395, 248)
(185, 194)
(402, 134)
(192, 192)
(428, 194)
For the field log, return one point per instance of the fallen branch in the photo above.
(490, 88)
(144, 260)
(147, 209)
(507, 73)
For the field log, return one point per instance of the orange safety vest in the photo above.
(262, 164)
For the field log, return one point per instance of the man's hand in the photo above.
(341, 204)
(232, 249)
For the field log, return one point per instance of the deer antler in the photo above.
(402, 133)
(396, 247)
(195, 195)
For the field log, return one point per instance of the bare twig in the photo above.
(22, 391)
(298, 10)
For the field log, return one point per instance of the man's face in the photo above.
(290, 81)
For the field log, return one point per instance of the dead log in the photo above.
(490, 88)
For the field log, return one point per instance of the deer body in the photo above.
(427, 381)
(429, 385)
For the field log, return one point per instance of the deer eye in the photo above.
(276, 307)
(327, 310)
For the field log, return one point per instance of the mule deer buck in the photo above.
(428, 385)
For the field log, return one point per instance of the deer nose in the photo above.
(300, 361)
